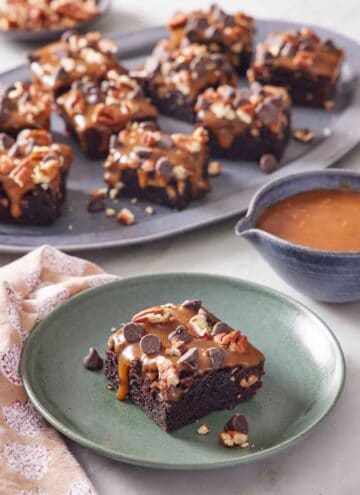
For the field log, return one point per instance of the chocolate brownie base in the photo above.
(39, 206)
(306, 91)
(176, 104)
(247, 147)
(156, 195)
(212, 391)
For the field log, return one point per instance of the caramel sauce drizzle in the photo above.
(130, 352)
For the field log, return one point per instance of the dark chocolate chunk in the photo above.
(150, 344)
(61, 74)
(266, 112)
(229, 21)
(268, 163)
(96, 205)
(163, 167)
(237, 423)
(306, 46)
(6, 141)
(210, 318)
(212, 33)
(220, 327)
(193, 304)
(6, 104)
(190, 358)
(133, 332)
(217, 356)
(180, 65)
(199, 65)
(93, 361)
(192, 35)
(148, 125)
(165, 142)
(142, 151)
(288, 50)
(329, 45)
(181, 333)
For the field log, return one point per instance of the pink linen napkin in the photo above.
(34, 459)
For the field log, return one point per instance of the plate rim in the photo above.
(311, 161)
(228, 462)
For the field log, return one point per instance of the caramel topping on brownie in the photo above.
(299, 50)
(215, 28)
(187, 70)
(174, 341)
(228, 111)
(32, 161)
(160, 159)
(108, 105)
(59, 64)
(24, 105)
(45, 14)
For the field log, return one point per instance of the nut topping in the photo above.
(167, 372)
(198, 326)
(233, 439)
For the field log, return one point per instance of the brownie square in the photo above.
(230, 34)
(56, 66)
(245, 123)
(33, 171)
(306, 65)
(94, 111)
(179, 362)
(23, 106)
(174, 78)
(168, 169)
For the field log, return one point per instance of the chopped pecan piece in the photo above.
(233, 439)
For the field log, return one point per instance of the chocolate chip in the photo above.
(150, 344)
(306, 46)
(329, 45)
(96, 205)
(148, 125)
(181, 333)
(6, 141)
(61, 75)
(7, 104)
(93, 361)
(268, 163)
(180, 65)
(196, 24)
(133, 332)
(165, 142)
(288, 50)
(163, 167)
(217, 13)
(190, 358)
(199, 65)
(192, 35)
(142, 151)
(229, 21)
(266, 112)
(212, 33)
(237, 423)
(192, 304)
(217, 356)
(220, 327)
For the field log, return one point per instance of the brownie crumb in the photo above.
(303, 135)
(96, 205)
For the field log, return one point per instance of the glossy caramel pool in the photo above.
(320, 219)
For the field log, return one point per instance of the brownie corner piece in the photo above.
(174, 78)
(245, 123)
(308, 66)
(93, 111)
(179, 362)
(152, 165)
(33, 172)
(23, 106)
(221, 32)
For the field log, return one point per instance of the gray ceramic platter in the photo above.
(232, 191)
(52, 34)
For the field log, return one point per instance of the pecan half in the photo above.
(156, 314)
(167, 372)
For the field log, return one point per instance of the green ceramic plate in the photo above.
(305, 372)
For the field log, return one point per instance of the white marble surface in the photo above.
(327, 462)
